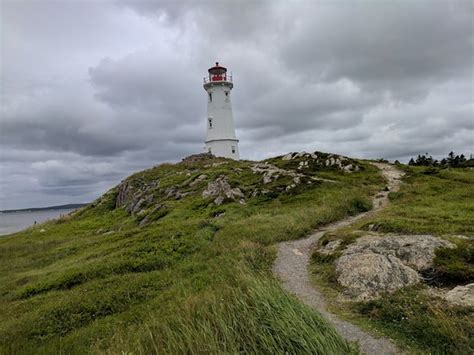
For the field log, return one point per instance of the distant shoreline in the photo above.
(49, 208)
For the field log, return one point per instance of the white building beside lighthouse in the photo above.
(220, 140)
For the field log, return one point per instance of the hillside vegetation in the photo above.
(177, 259)
(438, 202)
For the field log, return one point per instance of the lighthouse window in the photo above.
(210, 97)
(233, 149)
(210, 122)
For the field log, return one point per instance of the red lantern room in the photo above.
(217, 73)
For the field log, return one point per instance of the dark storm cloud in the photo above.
(405, 47)
(92, 91)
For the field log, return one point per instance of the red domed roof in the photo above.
(217, 70)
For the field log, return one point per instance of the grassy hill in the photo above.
(177, 259)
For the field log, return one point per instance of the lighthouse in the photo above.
(220, 139)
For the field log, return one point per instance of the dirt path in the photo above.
(291, 267)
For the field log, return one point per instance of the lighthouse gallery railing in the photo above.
(217, 78)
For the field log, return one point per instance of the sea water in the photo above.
(12, 222)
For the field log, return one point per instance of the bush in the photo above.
(455, 266)
(360, 204)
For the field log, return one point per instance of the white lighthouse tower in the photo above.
(220, 140)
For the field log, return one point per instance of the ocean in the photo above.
(12, 222)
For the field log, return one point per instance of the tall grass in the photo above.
(255, 318)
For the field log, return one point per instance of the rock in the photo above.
(195, 158)
(138, 206)
(219, 200)
(330, 247)
(271, 172)
(146, 220)
(299, 155)
(267, 179)
(221, 190)
(461, 296)
(287, 157)
(134, 197)
(416, 251)
(141, 213)
(366, 275)
(375, 264)
(198, 180)
(218, 164)
(42, 230)
(124, 195)
(173, 193)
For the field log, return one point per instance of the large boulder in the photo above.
(461, 296)
(366, 275)
(375, 264)
(416, 251)
(222, 191)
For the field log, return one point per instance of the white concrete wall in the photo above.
(220, 138)
(224, 149)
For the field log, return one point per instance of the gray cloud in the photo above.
(92, 91)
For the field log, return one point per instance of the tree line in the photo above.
(451, 161)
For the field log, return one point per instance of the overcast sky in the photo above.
(92, 91)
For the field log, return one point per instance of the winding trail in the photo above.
(291, 267)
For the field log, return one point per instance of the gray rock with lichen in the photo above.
(461, 296)
(366, 275)
(375, 264)
(221, 190)
(416, 251)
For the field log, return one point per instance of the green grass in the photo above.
(423, 322)
(196, 279)
(430, 201)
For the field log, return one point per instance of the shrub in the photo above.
(455, 266)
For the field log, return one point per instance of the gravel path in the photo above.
(291, 267)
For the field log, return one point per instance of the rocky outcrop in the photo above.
(221, 190)
(134, 197)
(196, 158)
(461, 296)
(375, 264)
(271, 173)
(333, 161)
(173, 193)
